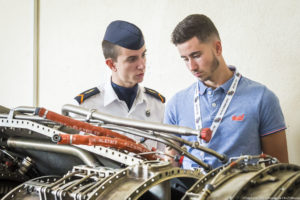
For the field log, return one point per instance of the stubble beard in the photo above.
(213, 67)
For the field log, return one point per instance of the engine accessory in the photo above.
(81, 126)
(101, 183)
(243, 179)
(115, 166)
(117, 143)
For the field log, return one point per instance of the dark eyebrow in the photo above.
(195, 52)
(144, 51)
(135, 56)
(131, 58)
(192, 54)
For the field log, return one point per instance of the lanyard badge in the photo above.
(218, 119)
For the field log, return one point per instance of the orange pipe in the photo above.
(117, 143)
(81, 126)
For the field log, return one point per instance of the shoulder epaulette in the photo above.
(155, 94)
(86, 94)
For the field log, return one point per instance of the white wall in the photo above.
(16, 52)
(260, 37)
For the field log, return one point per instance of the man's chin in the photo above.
(200, 78)
(139, 80)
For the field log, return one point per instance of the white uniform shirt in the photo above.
(108, 102)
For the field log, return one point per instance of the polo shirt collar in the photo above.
(202, 87)
(225, 86)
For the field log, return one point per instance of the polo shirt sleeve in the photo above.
(170, 112)
(271, 116)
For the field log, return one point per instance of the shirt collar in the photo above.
(225, 86)
(202, 87)
(110, 95)
(140, 96)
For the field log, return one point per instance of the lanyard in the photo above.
(217, 120)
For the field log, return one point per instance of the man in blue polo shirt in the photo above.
(245, 116)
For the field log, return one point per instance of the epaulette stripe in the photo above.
(152, 91)
(86, 94)
(155, 94)
(161, 98)
(91, 90)
(81, 97)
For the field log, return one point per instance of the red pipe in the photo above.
(81, 126)
(117, 143)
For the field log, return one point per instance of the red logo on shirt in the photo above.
(238, 118)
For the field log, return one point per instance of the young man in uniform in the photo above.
(125, 54)
(244, 116)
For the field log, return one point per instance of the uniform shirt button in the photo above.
(213, 104)
(209, 92)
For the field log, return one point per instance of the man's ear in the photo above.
(110, 63)
(218, 46)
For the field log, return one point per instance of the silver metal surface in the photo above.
(168, 140)
(68, 108)
(159, 139)
(131, 175)
(118, 156)
(24, 143)
(29, 125)
(248, 181)
(115, 155)
(25, 117)
(25, 109)
(104, 183)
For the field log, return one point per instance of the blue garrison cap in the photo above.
(124, 34)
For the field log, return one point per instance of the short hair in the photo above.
(110, 50)
(194, 25)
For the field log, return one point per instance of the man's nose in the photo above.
(192, 65)
(142, 63)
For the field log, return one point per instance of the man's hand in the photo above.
(172, 153)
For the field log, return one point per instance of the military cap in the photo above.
(124, 34)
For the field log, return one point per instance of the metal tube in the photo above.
(78, 182)
(25, 117)
(221, 157)
(161, 137)
(23, 143)
(162, 140)
(66, 109)
(52, 186)
(25, 109)
(4, 109)
(137, 132)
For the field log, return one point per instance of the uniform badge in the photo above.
(147, 113)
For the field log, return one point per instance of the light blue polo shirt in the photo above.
(253, 112)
